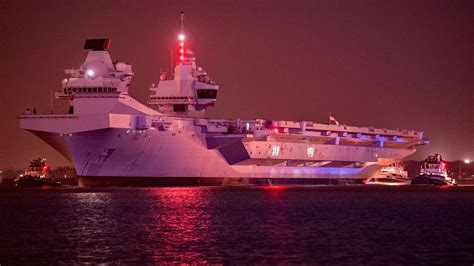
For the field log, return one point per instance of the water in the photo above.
(241, 225)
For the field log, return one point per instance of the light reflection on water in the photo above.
(353, 224)
(180, 220)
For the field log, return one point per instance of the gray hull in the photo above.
(119, 157)
(95, 181)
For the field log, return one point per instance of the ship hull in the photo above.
(436, 180)
(193, 152)
(97, 181)
(119, 157)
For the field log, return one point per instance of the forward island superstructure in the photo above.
(113, 139)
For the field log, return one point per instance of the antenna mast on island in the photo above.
(181, 39)
(182, 22)
(181, 43)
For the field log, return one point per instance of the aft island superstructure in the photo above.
(113, 139)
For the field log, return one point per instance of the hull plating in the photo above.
(207, 181)
(170, 158)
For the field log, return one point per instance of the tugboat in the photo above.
(392, 175)
(434, 172)
(36, 175)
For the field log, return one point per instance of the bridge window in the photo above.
(179, 107)
(207, 94)
(91, 89)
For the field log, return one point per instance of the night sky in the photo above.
(393, 64)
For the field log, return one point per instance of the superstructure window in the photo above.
(90, 89)
(179, 107)
(207, 94)
(311, 152)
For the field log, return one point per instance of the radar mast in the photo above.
(190, 92)
(181, 38)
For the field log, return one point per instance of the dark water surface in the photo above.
(324, 224)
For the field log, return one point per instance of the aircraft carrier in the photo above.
(113, 139)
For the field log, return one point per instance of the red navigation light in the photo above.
(275, 130)
(181, 47)
(443, 164)
(45, 167)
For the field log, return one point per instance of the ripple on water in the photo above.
(353, 224)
